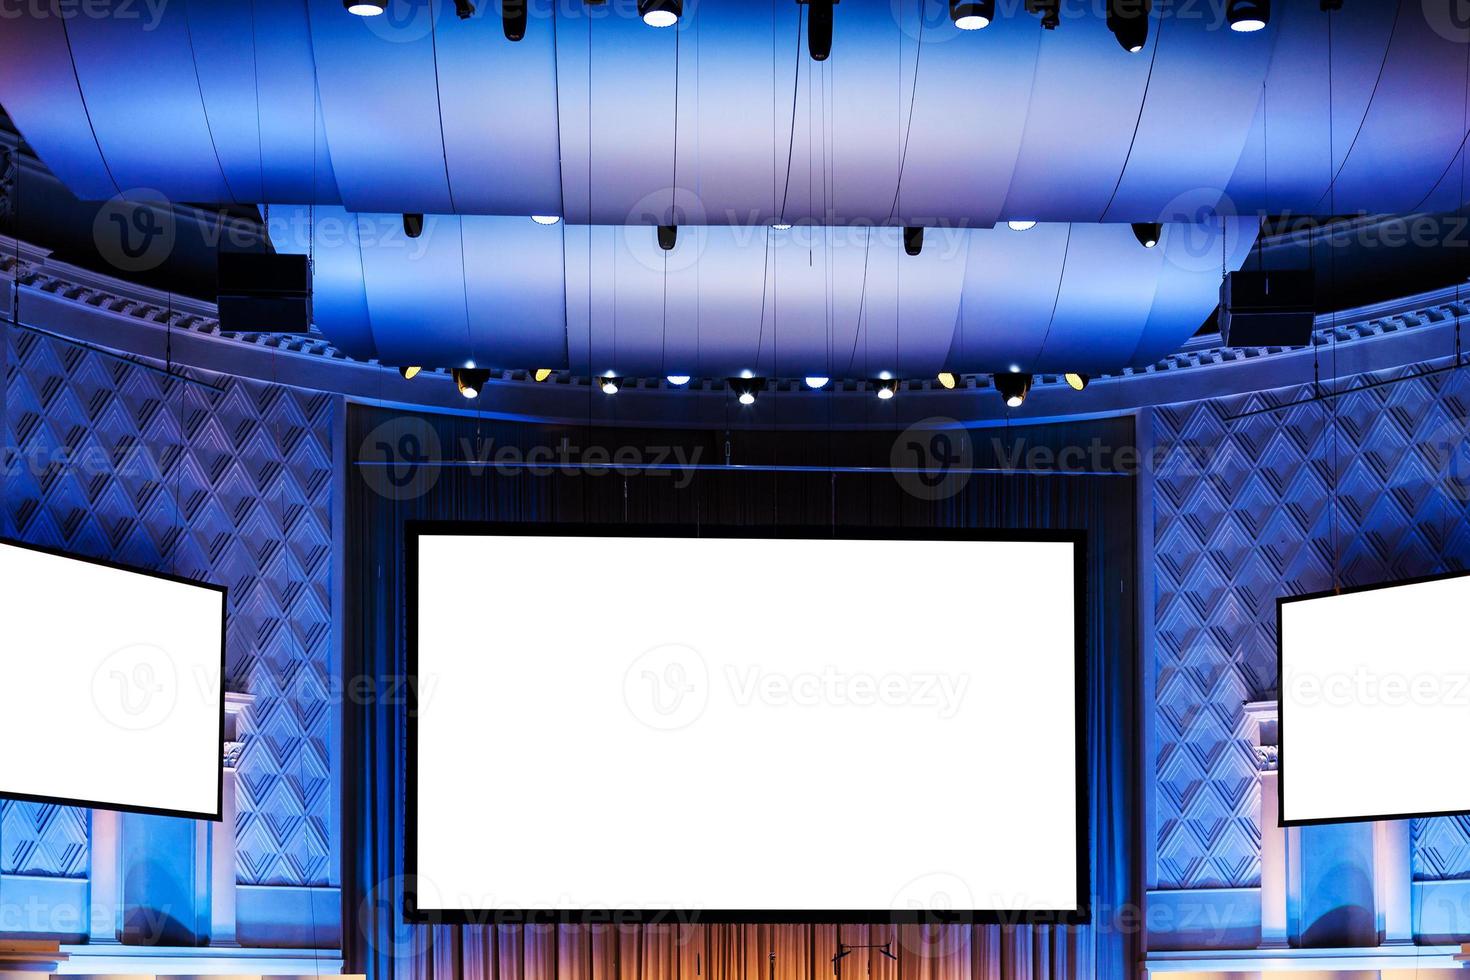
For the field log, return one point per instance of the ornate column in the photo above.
(1393, 883)
(222, 866)
(1275, 839)
(104, 879)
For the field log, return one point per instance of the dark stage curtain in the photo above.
(382, 497)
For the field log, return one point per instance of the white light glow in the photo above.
(678, 380)
(816, 381)
(545, 219)
(365, 9)
(1247, 26)
(972, 22)
(1020, 225)
(660, 18)
(747, 398)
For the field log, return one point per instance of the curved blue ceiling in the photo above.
(845, 302)
(296, 101)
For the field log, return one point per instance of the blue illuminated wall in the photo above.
(108, 459)
(1244, 510)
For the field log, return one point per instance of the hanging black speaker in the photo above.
(1265, 308)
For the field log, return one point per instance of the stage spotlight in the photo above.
(413, 225)
(887, 387)
(1020, 225)
(512, 17)
(745, 388)
(609, 384)
(365, 9)
(969, 15)
(678, 380)
(660, 13)
(668, 237)
(816, 382)
(1128, 20)
(1013, 386)
(409, 373)
(542, 374)
(1147, 233)
(913, 240)
(469, 381)
(948, 379)
(546, 219)
(1079, 382)
(819, 29)
(1248, 15)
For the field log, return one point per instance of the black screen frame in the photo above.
(1080, 915)
(219, 779)
(1281, 703)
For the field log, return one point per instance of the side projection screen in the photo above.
(1375, 702)
(110, 686)
(641, 724)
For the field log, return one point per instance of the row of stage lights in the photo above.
(1013, 386)
(1127, 19)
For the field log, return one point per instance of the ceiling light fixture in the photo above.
(913, 240)
(413, 225)
(1147, 233)
(546, 219)
(948, 379)
(819, 28)
(469, 381)
(816, 382)
(1247, 16)
(746, 388)
(512, 17)
(361, 9)
(1020, 225)
(409, 373)
(970, 15)
(610, 385)
(1013, 386)
(1078, 382)
(678, 380)
(887, 387)
(780, 226)
(1128, 20)
(668, 237)
(660, 13)
(542, 374)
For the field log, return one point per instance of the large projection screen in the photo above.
(1374, 709)
(643, 723)
(110, 686)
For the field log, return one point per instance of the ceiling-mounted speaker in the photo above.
(513, 19)
(1265, 308)
(264, 292)
(913, 239)
(819, 29)
(668, 237)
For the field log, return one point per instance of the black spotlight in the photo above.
(972, 15)
(610, 384)
(1078, 382)
(1330, 5)
(745, 388)
(886, 388)
(413, 225)
(660, 13)
(1050, 11)
(513, 19)
(1013, 386)
(913, 240)
(1246, 16)
(1147, 233)
(668, 237)
(469, 381)
(365, 8)
(819, 29)
(1128, 20)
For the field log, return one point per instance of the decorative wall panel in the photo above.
(232, 484)
(1285, 502)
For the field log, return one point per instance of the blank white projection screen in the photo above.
(745, 725)
(109, 686)
(1375, 703)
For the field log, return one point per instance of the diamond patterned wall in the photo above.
(231, 484)
(1244, 510)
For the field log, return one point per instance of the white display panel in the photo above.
(110, 686)
(1375, 703)
(814, 727)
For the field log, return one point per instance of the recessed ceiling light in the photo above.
(543, 373)
(969, 15)
(948, 379)
(409, 373)
(678, 380)
(1021, 225)
(887, 388)
(610, 385)
(816, 381)
(660, 13)
(362, 9)
(546, 219)
(1248, 16)
(781, 226)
